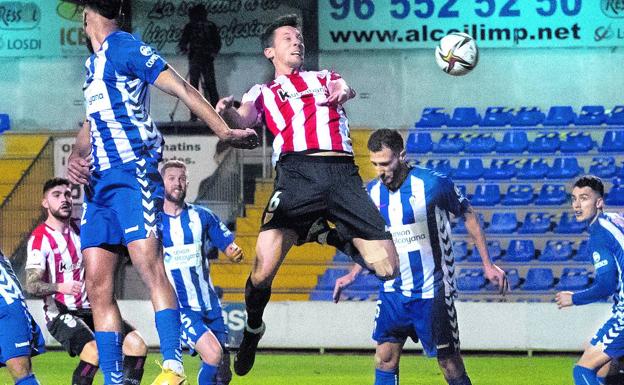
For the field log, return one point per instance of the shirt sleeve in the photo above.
(216, 231)
(136, 59)
(254, 95)
(37, 252)
(452, 198)
(606, 279)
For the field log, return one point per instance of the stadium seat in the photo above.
(470, 280)
(613, 141)
(527, 116)
(500, 169)
(464, 117)
(591, 116)
(615, 197)
(418, 143)
(536, 223)
(460, 250)
(573, 278)
(5, 123)
(443, 166)
(518, 194)
(603, 167)
(560, 116)
(513, 142)
(616, 116)
(432, 117)
(365, 282)
(539, 279)
(577, 142)
(480, 143)
(513, 280)
(471, 168)
(520, 250)
(564, 168)
(568, 225)
(551, 194)
(460, 225)
(503, 223)
(449, 143)
(532, 169)
(321, 295)
(327, 280)
(556, 251)
(357, 295)
(582, 254)
(545, 142)
(341, 257)
(497, 117)
(494, 250)
(486, 195)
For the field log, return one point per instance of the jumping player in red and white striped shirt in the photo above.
(55, 271)
(317, 179)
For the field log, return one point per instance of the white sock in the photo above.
(173, 365)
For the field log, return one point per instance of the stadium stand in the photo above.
(560, 116)
(464, 117)
(591, 116)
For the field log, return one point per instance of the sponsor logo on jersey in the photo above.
(596, 256)
(152, 60)
(146, 51)
(285, 95)
(21, 344)
(95, 98)
(64, 267)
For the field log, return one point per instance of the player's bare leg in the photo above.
(271, 249)
(380, 256)
(589, 364)
(20, 370)
(387, 356)
(100, 265)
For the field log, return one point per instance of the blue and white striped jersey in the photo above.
(10, 288)
(116, 93)
(187, 240)
(606, 243)
(417, 215)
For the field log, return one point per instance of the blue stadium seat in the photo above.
(494, 250)
(470, 168)
(528, 116)
(321, 295)
(568, 225)
(480, 143)
(500, 169)
(418, 143)
(513, 142)
(460, 250)
(460, 225)
(497, 117)
(582, 254)
(327, 280)
(486, 195)
(366, 282)
(432, 117)
(503, 223)
(518, 194)
(5, 123)
(513, 280)
(613, 141)
(358, 295)
(470, 280)
(573, 278)
(616, 116)
(532, 169)
(341, 257)
(536, 223)
(551, 194)
(603, 167)
(557, 251)
(560, 116)
(545, 142)
(464, 117)
(449, 143)
(443, 166)
(520, 250)
(591, 116)
(564, 168)
(615, 197)
(577, 142)
(539, 279)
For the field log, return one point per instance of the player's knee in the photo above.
(385, 269)
(386, 361)
(19, 367)
(89, 353)
(134, 344)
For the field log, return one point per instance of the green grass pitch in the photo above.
(55, 368)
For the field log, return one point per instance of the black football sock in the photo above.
(84, 373)
(256, 300)
(133, 369)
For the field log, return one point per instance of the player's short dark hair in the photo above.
(268, 36)
(385, 138)
(173, 163)
(591, 181)
(110, 9)
(52, 183)
(197, 12)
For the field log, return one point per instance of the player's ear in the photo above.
(600, 204)
(44, 203)
(402, 155)
(269, 53)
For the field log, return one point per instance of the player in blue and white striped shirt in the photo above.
(189, 233)
(415, 203)
(606, 244)
(21, 337)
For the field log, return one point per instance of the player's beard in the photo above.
(60, 214)
(177, 200)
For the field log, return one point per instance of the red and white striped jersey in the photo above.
(289, 105)
(58, 254)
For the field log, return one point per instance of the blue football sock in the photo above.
(584, 376)
(28, 380)
(111, 358)
(168, 328)
(207, 374)
(386, 378)
(463, 380)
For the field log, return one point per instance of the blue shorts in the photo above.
(610, 337)
(196, 323)
(20, 335)
(122, 205)
(432, 321)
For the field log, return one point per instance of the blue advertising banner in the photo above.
(234, 316)
(405, 24)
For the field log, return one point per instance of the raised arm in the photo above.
(244, 116)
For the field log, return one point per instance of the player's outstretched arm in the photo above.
(171, 82)
(339, 93)
(492, 272)
(244, 116)
(346, 280)
(79, 161)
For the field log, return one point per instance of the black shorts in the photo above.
(74, 330)
(311, 187)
